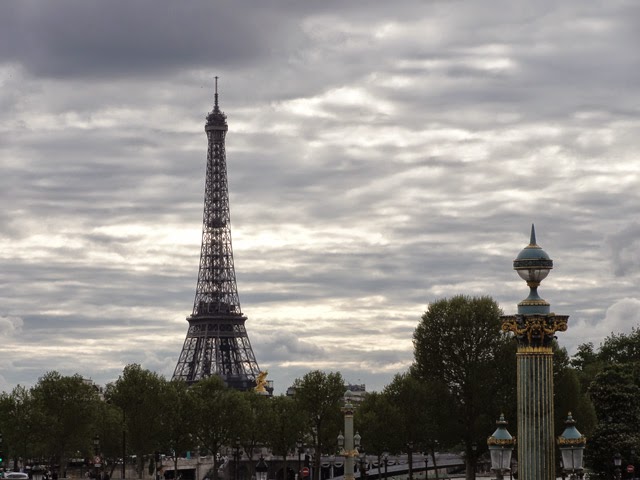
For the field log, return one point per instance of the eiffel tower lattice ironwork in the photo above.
(217, 342)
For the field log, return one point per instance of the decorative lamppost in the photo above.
(474, 453)
(299, 445)
(410, 458)
(534, 327)
(236, 458)
(124, 445)
(349, 442)
(261, 469)
(385, 459)
(571, 444)
(363, 465)
(501, 445)
(617, 462)
(97, 463)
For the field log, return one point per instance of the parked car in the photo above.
(16, 476)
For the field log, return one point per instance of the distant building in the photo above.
(99, 390)
(355, 393)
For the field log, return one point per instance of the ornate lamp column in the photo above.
(349, 441)
(534, 327)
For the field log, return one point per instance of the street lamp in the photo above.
(617, 461)
(96, 461)
(410, 458)
(300, 450)
(363, 465)
(124, 445)
(501, 447)
(385, 459)
(571, 444)
(261, 469)
(236, 456)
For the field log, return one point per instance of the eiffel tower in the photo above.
(217, 341)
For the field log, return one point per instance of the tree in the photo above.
(424, 418)
(614, 392)
(378, 420)
(65, 410)
(17, 414)
(587, 364)
(177, 419)
(457, 344)
(569, 395)
(219, 411)
(319, 395)
(109, 427)
(621, 348)
(139, 395)
(283, 423)
(252, 432)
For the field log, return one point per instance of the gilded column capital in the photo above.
(534, 330)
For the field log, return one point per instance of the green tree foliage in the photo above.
(424, 416)
(615, 392)
(458, 344)
(610, 376)
(569, 395)
(17, 424)
(252, 432)
(319, 396)
(411, 402)
(377, 420)
(586, 363)
(283, 423)
(218, 411)
(177, 419)
(109, 427)
(139, 395)
(64, 414)
(621, 348)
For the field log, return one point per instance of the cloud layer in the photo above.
(380, 157)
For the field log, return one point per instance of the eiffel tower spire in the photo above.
(217, 341)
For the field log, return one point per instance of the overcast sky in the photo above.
(381, 155)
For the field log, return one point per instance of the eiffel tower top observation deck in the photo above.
(217, 341)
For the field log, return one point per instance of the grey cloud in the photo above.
(624, 246)
(72, 38)
(284, 346)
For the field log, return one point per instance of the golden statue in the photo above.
(261, 382)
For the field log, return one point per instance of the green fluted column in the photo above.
(536, 450)
(536, 443)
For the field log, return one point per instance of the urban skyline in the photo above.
(379, 159)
